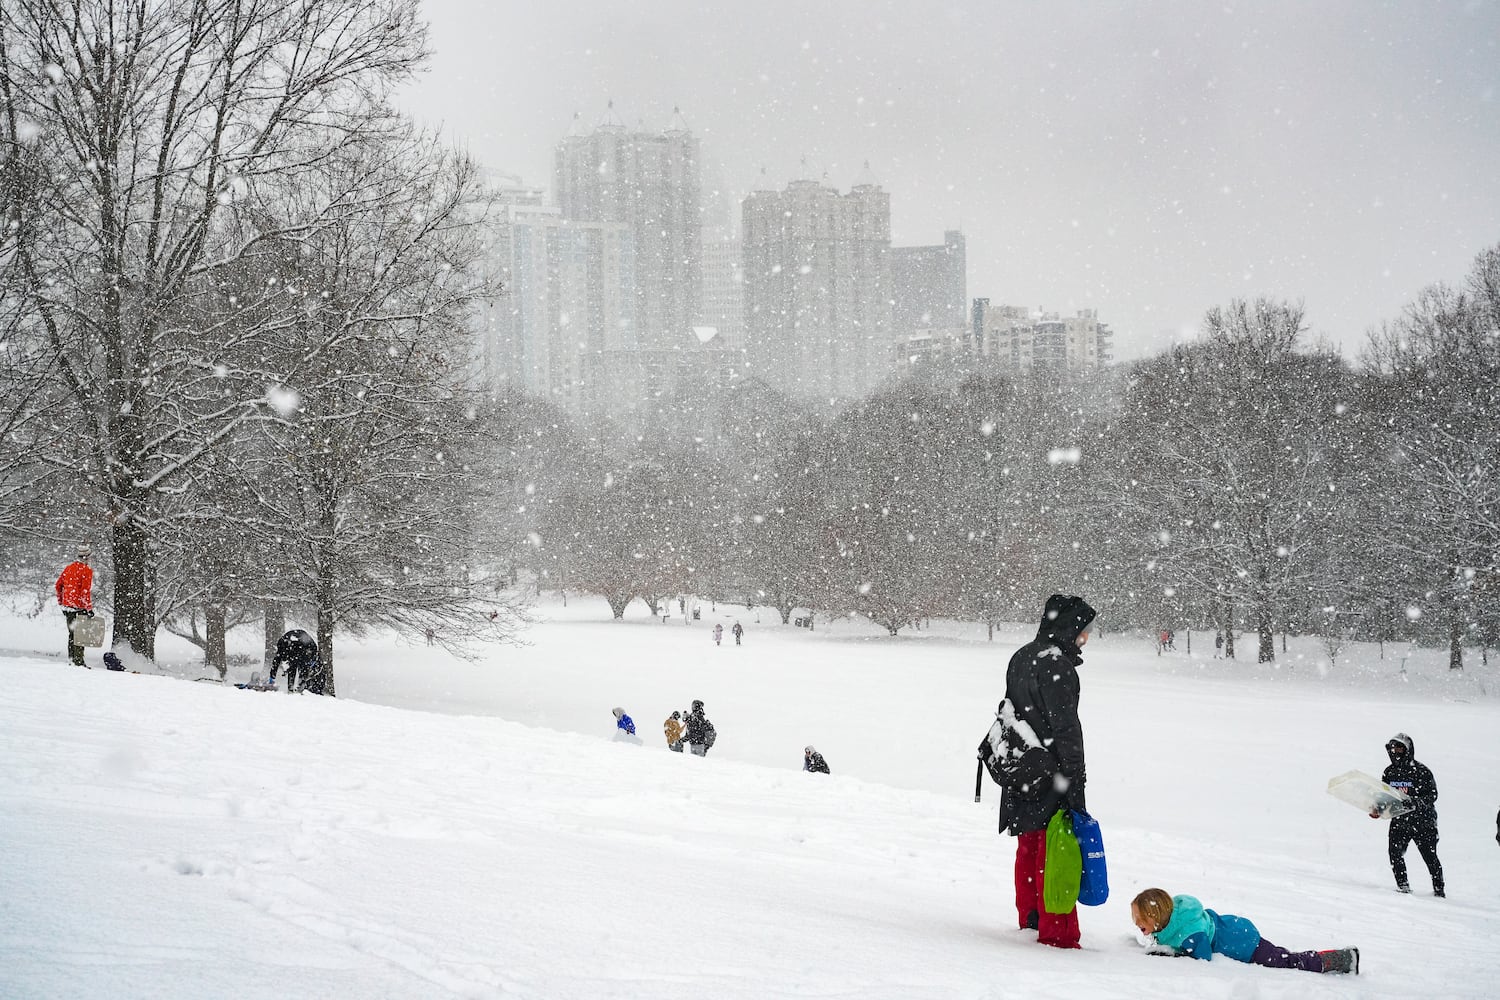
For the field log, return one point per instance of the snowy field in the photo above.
(468, 829)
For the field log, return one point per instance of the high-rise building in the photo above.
(569, 292)
(1035, 339)
(818, 288)
(723, 290)
(930, 287)
(649, 182)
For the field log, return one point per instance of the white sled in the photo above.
(1368, 794)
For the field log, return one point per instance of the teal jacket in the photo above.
(1198, 932)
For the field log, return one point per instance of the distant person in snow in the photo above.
(700, 732)
(813, 761)
(1218, 645)
(1179, 925)
(738, 630)
(1412, 779)
(674, 730)
(624, 727)
(297, 654)
(75, 595)
(718, 633)
(1041, 684)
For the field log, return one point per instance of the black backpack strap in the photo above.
(978, 779)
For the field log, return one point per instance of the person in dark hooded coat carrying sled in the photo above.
(1412, 779)
(1041, 684)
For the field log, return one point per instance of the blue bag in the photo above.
(1093, 887)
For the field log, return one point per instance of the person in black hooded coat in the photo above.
(1041, 683)
(1411, 778)
(297, 654)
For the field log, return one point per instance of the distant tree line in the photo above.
(1247, 481)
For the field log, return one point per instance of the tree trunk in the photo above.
(135, 618)
(275, 617)
(654, 603)
(617, 603)
(214, 654)
(1455, 641)
(1228, 643)
(1267, 653)
(786, 612)
(325, 629)
(992, 632)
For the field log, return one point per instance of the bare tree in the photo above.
(152, 130)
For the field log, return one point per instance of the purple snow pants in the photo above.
(1273, 957)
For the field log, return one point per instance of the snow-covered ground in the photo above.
(451, 828)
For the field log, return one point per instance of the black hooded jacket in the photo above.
(1041, 681)
(1409, 775)
(700, 732)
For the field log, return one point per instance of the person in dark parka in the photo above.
(1041, 683)
(813, 761)
(297, 653)
(700, 732)
(1412, 779)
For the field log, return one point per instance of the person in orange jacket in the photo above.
(75, 595)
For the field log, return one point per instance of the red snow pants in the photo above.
(1057, 929)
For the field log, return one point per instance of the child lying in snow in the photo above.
(1179, 925)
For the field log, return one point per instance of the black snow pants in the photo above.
(1424, 831)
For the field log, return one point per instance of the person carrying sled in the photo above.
(674, 729)
(297, 654)
(700, 732)
(1179, 925)
(813, 761)
(1414, 781)
(75, 595)
(738, 630)
(1041, 684)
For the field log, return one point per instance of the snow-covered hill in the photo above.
(468, 829)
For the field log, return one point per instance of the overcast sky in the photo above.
(1146, 159)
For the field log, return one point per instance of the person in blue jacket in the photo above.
(623, 721)
(1179, 925)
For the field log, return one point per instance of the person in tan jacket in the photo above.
(674, 730)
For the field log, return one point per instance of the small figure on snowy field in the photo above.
(738, 630)
(1413, 780)
(718, 633)
(674, 729)
(700, 732)
(75, 595)
(623, 721)
(297, 654)
(625, 727)
(1179, 925)
(813, 761)
(1218, 645)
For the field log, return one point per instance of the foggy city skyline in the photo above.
(1149, 161)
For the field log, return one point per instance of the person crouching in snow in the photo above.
(624, 727)
(813, 761)
(1179, 925)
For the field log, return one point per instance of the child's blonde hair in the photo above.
(1155, 905)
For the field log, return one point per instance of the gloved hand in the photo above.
(89, 612)
(1163, 950)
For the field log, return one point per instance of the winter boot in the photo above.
(1437, 890)
(1403, 886)
(1341, 960)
